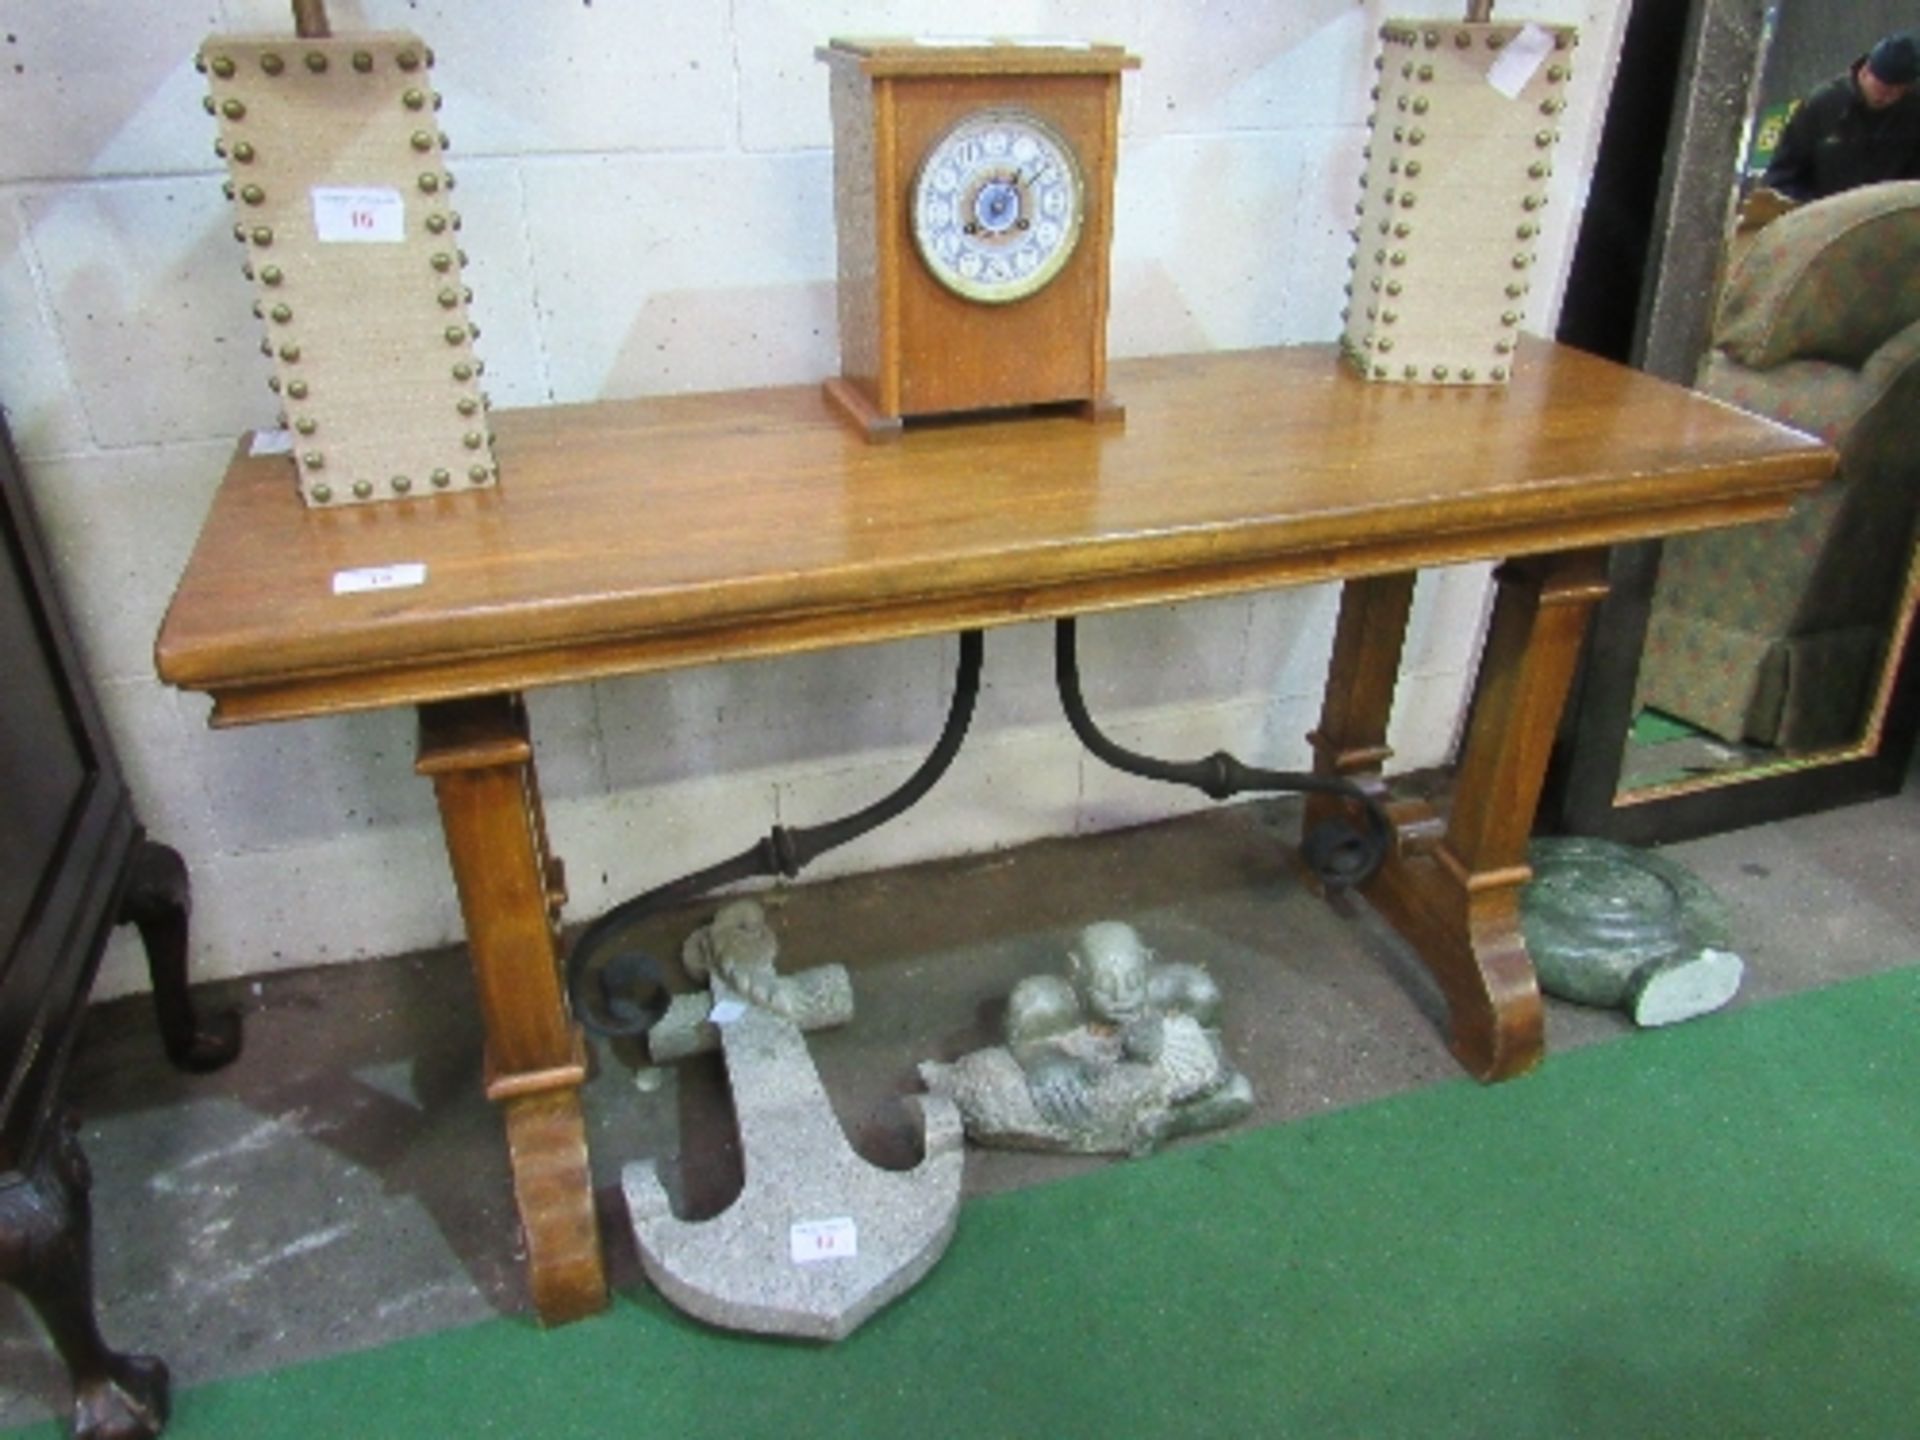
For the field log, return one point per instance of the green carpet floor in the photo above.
(1711, 1231)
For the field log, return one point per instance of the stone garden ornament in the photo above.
(818, 1239)
(1615, 926)
(1115, 1057)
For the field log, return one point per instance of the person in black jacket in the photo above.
(1857, 129)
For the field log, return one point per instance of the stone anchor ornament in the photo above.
(818, 1239)
(1117, 1056)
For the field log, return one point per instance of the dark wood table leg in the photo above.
(46, 1252)
(1454, 896)
(157, 902)
(480, 758)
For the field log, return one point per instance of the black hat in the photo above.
(1895, 60)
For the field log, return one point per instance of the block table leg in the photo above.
(1457, 901)
(480, 758)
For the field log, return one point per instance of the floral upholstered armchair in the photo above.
(1775, 634)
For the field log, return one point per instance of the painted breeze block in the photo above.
(343, 201)
(1461, 151)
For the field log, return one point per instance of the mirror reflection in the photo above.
(1771, 647)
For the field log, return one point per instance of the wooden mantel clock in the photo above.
(973, 193)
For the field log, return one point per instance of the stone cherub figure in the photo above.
(1117, 1056)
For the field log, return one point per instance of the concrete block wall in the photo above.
(647, 201)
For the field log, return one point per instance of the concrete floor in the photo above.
(344, 1183)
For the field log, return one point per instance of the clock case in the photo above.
(909, 346)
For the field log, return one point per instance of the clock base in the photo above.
(880, 428)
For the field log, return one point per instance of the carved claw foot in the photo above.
(46, 1252)
(129, 1401)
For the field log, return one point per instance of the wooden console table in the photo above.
(643, 535)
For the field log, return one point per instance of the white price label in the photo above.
(378, 577)
(1518, 60)
(812, 1241)
(361, 216)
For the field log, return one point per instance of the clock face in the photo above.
(997, 206)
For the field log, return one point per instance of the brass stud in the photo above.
(306, 425)
(262, 235)
(455, 335)
(1416, 137)
(436, 223)
(1521, 261)
(1426, 72)
(1462, 40)
(271, 275)
(414, 99)
(421, 140)
(1414, 168)
(272, 63)
(1380, 257)
(1503, 347)
(473, 439)
(1510, 318)
(1394, 287)
(243, 152)
(317, 62)
(429, 183)
(449, 181)
(441, 261)
(401, 484)
(206, 104)
(1432, 37)
(322, 493)
(296, 389)
(273, 383)
(363, 62)
(1498, 372)
(441, 479)
(362, 489)
(1552, 105)
(290, 353)
(1388, 317)
(463, 371)
(282, 314)
(226, 189)
(1532, 202)
(1466, 372)
(1496, 42)
(1558, 73)
(1399, 257)
(1439, 372)
(407, 60)
(448, 298)
(1402, 103)
(1515, 291)
(1411, 372)
(313, 460)
(233, 109)
(1539, 170)
(1379, 372)
(1406, 200)
(240, 233)
(253, 195)
(1421, 104)
(467, 405)
(479, 474)
(223, 66)
(1543, 139)
(1403, 230)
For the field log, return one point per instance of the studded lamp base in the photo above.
(1466, 120)
(344, 206)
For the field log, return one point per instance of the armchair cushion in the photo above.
(1831, 280)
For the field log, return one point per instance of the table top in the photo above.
(643, 534)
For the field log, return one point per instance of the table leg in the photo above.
(480, 758)
(1457, 900)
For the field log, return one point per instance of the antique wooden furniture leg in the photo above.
(157, 902)
(1455, 898)
(46, 1252)
(480, 758)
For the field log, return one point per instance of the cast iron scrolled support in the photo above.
(783, 851)
(1339, 854)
